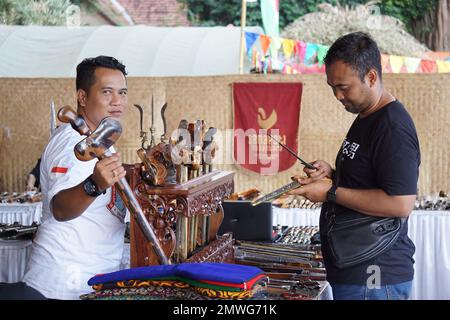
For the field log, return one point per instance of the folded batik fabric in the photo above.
(172, 293)
(207, 271)
(214, 280)
(180, 282)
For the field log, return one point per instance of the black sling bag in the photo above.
(355, 240)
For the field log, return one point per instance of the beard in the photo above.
(352, 109)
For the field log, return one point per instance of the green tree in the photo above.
(224, 12)
(37, 12)
(408, 11)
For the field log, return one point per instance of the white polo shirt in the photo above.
(66, 254)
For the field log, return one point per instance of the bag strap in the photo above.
(335, 179)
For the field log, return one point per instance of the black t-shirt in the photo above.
(380, 151)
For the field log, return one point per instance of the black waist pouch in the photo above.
(359, 239)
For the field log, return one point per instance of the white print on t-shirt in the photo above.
(116, 206)
(349, 148)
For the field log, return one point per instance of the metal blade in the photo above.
(306, 164)
(52, 117)
(153, 113)
(163, 117)
(141, 116)
(276, 193)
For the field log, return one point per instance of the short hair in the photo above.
(358, 50)
(86, 70)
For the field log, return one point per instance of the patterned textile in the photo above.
(224, 294)
(172, 293)
(220, 272)
(175, 282)
(140, 283)
(144, 293)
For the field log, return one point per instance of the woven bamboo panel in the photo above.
(24, 120)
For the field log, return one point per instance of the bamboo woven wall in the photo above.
(24, 120)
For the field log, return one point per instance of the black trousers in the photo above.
(19, 291)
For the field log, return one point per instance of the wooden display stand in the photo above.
(185, 217)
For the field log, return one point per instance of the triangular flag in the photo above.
(412, 64)
(443, 66)
(311, 53)
(385, 66)
(265, 42)
(288, 47)
(275, 46)
(300, 50)
(428, 66)
(250, 39)
(321, 53)
(396, 63)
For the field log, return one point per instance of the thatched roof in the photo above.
(328, 24)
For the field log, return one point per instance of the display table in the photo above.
(24, 213)
(430, 232)
(14, 254)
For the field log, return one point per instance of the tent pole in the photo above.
(241, 53)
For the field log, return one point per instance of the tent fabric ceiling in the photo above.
(54, 52)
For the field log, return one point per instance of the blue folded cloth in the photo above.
(210, 271)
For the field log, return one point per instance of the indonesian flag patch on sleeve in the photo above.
(59, 170)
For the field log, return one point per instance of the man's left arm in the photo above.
(374, 202)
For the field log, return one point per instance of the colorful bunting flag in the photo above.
(396, 63)
(321, 53)
(300, 50)
(309, 57)
(428, 66)
(443, 66)
(250, 39)
(275, 46)
(311, 53)
(288, 47)
(412, 64)
(265, 43)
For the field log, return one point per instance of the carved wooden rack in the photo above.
(185, 217)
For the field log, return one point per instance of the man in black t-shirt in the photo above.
(376, 174)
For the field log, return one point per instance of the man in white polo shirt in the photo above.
(82, 232)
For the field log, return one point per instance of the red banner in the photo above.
(261, 108)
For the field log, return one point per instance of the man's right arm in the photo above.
(324, 170)
(70, 203)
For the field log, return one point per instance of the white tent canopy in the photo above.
(43, 51)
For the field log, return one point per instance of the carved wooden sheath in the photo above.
(169, 205)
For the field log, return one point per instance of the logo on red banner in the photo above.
(261, 108)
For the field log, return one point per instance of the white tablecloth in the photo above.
(14, 255)
(24, 213)
(430, 232)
